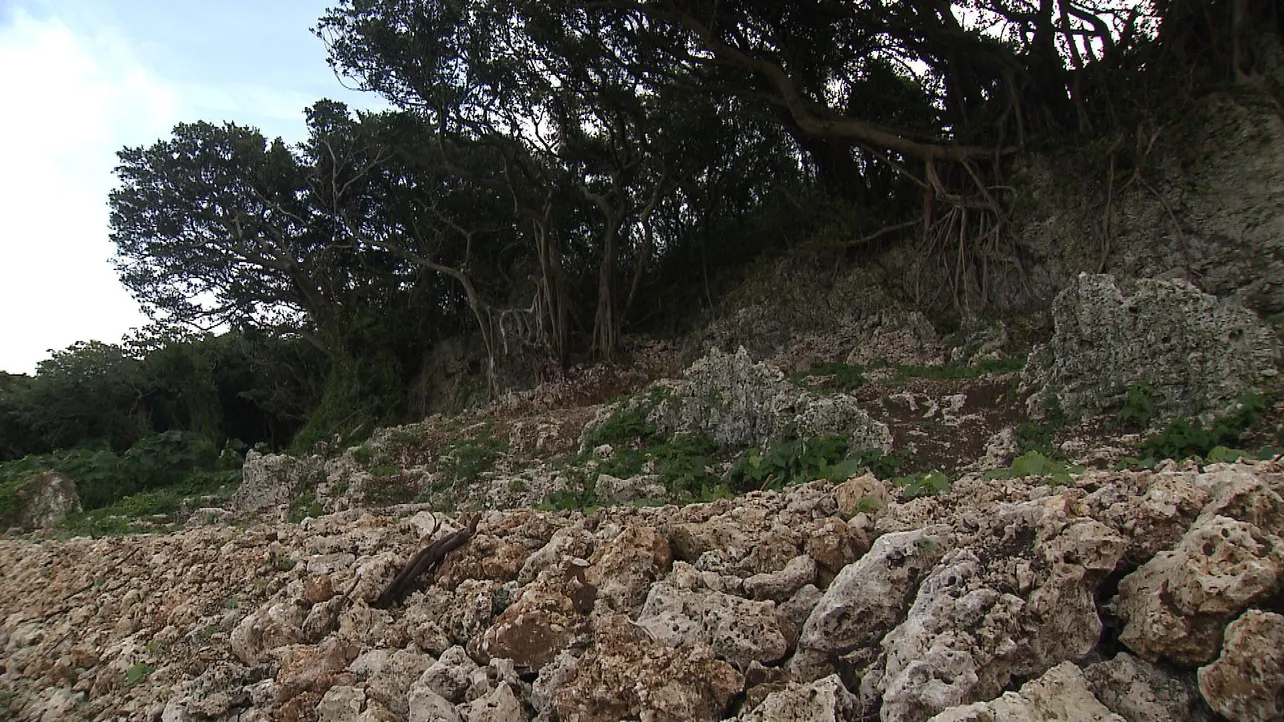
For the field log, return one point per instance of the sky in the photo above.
(85, 78)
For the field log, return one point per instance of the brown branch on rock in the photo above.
(429, 559)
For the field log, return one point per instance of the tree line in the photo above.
(552, 175)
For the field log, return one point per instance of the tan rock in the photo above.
(1247, 680)
(628, 675)
(862, 494)
(547, 615)
(833, 544)
(1177, 604)
(1060, 695)
(623, 568)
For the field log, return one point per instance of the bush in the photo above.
(1186, 438)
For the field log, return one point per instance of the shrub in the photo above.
(1033, 463)
(923, 483)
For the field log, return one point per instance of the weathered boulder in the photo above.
(1196, 352)
(42, 502)
(783, 584)
(1178, 603)
(1060, 695)
(824, 700)
(867, 599)
(1139, 691)
(629, 675)
(739, 630)
(742, 403)
(275, 479)
(547, 615)
(1247, 680)
(451, 675)
(623, 568)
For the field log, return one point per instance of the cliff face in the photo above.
(1146, 595)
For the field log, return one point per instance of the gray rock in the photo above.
(1177, 604)
(341, 703)
(500, 705)
(1139, 691)
(450, 675)
(274, 479)
(867, 598)
(44, 502)
(1060, 695)
(739, 630)
(614, 490)
(781, 585)
(1196, 352)
(426, 705)
(824, 700)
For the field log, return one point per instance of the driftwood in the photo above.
(426, 560)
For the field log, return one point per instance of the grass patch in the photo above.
(803, 459)
(1033, 463)
(137, 673)
(1186, 438)
(627, 422)
(923, 483)
(304, 505)
(465, 460)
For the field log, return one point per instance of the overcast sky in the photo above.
(86, 77)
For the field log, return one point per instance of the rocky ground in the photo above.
(620, 570)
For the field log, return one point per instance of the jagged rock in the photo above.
(1247, 680)
(547, 615)
(833, 544)
(824, 700)
(898, 337)
(1197, 353)
(741, 403)
(1139, 691)
(1238, 493)
(340, 704)
(867, 599)
(571, 542)
(1177, 604)
(967, 636)
(781, 585)
(1156, 521)
(307, 668)
(259, 632)
(275, 479)
(739, 630)
(623, 568)
(551, 678)
(862, 494)
(501, 705)
(426, 705)
(43, 502)
(393, 681)
(614, 490)
(1060, 695)
(450, 675)
(627, 674)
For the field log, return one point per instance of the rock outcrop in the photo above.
(42, 502)
(1197, 353)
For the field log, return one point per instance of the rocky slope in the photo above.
(1024, 592)
(1125, 595)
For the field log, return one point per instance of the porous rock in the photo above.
(547, 615)
(1139, 691)
(1247, 681)
(1177, 604)
(824, 700)
(623, 568)
(1060, 695)
(275, 479)
(43, 502)
(1196, 352)
(629, 675)
(739, 630)
(867, 598)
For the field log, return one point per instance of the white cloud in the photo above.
(71, 102)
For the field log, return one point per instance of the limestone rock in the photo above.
(426, 705)
(862, 494)
(1141, 692)
(275, 479)
(1060, 695)
(739, 630)
(833, 544)
(501, 705)
(614, 490)
(867, 598)
(450, 675)
(1247, 680)
(1177, 604)
(1197, 353)
(43, 502)
(623, 568)
(393, 681)
(340, 704)
(547, 615)
(781, 585)
(628, 675)
(825, 700)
